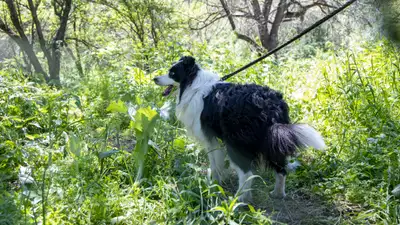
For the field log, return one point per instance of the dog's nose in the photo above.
(155, 79)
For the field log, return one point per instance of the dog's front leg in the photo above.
(216, 157)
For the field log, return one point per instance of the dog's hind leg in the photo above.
(278, 164)
(244, 190)
(279, 190)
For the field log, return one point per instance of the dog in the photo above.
(251, 120)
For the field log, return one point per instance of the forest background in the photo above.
(87, 138)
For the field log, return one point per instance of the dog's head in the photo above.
(180, 74)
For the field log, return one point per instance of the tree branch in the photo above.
(250, 41)
(256, 9)
(6, 29)
(15, 19)
(22, 40)
(228, 14)
(131, 22)
(63, 20)
(233, 26)
(267, 9)
(38, 26)
(206, 24)
(84, 42)
(55, 8)
(214, 17)
(290, 15)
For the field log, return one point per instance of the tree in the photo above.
(268, 16)
(145, 19)
(50, 45)
(147, 24)
(391, 13)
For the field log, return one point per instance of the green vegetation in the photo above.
(105, 148)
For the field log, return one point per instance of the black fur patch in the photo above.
(251, 120)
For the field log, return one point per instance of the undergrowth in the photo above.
(108, 149)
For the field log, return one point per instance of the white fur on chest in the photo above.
(189, 108)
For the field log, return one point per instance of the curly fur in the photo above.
(251, 120)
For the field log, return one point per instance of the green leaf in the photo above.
(221, 190)
(145, 120)
(237, 205)
(219, 208)
(251, 208)
(190, 193)
(231, 222)
(148, 112)
(74, 145)
(117, 107)
(77, 101)
(232, 204)
(36, 124)
(139, 75)
(10, 144)
(106, 154)
(140, 155)
(179, 143)
(30, 137)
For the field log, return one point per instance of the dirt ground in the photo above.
(299, 206)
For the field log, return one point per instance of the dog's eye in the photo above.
(171, 73)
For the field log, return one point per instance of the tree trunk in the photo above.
(55, 62)
(272, 41)
(27, 48)
(53, 55)
(21, 39)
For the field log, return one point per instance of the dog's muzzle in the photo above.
(165, 81)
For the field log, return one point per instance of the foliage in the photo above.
(106, 148)
(18, 14)
(391, 11)
(69, 156)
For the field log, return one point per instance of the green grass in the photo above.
(81, 147)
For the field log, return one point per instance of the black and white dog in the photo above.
(251, 120)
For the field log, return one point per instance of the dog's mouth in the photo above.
(168, 90)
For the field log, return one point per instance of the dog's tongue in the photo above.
(168, 90)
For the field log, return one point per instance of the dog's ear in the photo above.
(188, 60)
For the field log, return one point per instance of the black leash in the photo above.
(319, 22)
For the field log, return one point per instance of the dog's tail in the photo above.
(286, 138)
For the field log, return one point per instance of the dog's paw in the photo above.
(277, 195)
